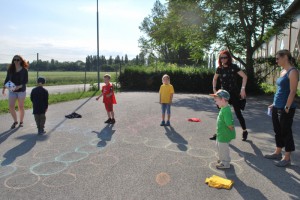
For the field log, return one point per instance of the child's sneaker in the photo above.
(163, 123)
(168, 123)
(41, 132)
(222, 166)
(108, 121)
(112, 121)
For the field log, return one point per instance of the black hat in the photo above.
(41, 80)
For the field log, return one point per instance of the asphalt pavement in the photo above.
(83, 158)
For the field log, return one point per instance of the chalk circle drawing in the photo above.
(48, 168)
(7, 170)
(46, 153)
(104, 160)
(157, 143)
(201, 152)
(162, 179)
(134, 139)
(86, 170)
(234, 169)
(70, 157)
(177, 147)
(87, 149)
(59, 180)
(22, 181)
(23, 162)
(193, 162)
(166, 159)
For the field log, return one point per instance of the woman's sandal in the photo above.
(21, 124)
(14, 125)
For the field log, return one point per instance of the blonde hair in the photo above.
(107, 76)
(166, 76)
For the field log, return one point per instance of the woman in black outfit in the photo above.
(18, 74)
(226, 72)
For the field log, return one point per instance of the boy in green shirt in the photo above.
(225, 128)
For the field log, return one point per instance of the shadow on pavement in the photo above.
(175, 137)
(105, 135)
(244, 190)
(6, 134)
(76, 109)
(280, 177)
(23, 148)
(196, 103)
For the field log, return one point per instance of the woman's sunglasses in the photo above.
(16, 60)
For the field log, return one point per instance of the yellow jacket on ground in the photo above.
(219, 182)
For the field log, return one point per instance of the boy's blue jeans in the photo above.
(166, 107)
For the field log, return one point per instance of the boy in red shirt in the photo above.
(108, 99)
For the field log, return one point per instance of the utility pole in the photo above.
(37, 66)
(98, 67)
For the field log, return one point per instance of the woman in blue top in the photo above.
(283, 108)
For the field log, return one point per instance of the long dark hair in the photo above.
(229, 61)
(12, 66)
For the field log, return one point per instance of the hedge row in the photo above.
(184, 79)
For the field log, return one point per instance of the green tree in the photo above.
(242, 27)
(117, 59)
(156, 32)
(126, 59)
(110, 60)
(176, 33)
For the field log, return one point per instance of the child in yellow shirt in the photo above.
(166, 92)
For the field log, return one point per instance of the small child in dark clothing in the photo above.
(39, 97)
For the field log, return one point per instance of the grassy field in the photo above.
(53, 98)
(64, 78)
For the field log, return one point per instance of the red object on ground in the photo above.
(194, 120)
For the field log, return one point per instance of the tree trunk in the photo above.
(252, 85)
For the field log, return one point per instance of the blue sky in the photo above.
(65, 30)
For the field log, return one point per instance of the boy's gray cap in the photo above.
(222, 94)
(41, 80)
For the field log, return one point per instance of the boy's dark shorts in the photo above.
(109, 107)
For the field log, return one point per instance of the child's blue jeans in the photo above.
(166, 107)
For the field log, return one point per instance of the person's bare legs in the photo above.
(12, 103)
(21, 108)
(278, 150)
(112, 114)
(287, 156)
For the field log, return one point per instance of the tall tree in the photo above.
(176, 33)
(110, 60)
(242, 26)
(117, 59)
(158, 34)
(126, 59)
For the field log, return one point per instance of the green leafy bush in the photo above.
(184, 79)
